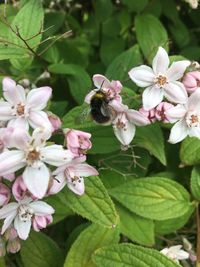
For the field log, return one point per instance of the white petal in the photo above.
(7, 222)
(8, 209)
(194, 132)
(178, 132)
(161, 61)
(20, 123)
(58, 184)
(77, 187)
(177, 69)
(37, 180)
(176, 92)
(176, 113)
(125, 136)
(5, 111)
(11, 161)
(137, 118)
(151, 97)
(194, 100)
(143, 76)
(89, 96)
(13, 93)
(37, 98)
(40, 135)
(55, 155)
(182, 255)
(84, 170)
(39, 119)
(41, 208)
(101, 81)
(22, 228)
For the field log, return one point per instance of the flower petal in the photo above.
(6, 112)
(151, 97)
(137, 118)
(55, 155)
(13, 93)
(194, 100)
(177, 69)
(125, 136)
(19, 122)
(89, 96)
(41, 208)
(84, 170)
(8, 209)
(39, 119)
(160, 61)
(77, 187)
(194, 132)
(143, 76)
(37, 98)
(176, 113)
(7, 222)
(101, 81)
(11, 161)
(178, 132)
(176, 92)
(22, 228)
(58, 184)
(37, 180)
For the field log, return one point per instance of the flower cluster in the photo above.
(32, 167)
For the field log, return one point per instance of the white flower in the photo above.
(23, 110)
(22, 214)
(175, 253)
(160, 80)
(33, 153)
(188, 117)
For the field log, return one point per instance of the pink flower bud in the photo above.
(191, 81)
(78, 142)
(4, 194)
(19, 189)
(160, 111)
(55, 121)
(13, 246)
(40, 222)
(150, 114)
(10, 234)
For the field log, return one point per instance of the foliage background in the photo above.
(79, 39)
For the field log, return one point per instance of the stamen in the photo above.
(25, 213)
(20, 109)
(161, 80)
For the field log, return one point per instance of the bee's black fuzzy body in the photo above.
(97, 105)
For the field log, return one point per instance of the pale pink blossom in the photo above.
(40, 222)
(5, 194)
(21, 215)
(78, 142)
(55, 121)
(19, 189)
(111, 89)
(160, 111)
(72, 174)
(33, 153)
(161, 81)
(175, 253)
(187, 118)
(21, 110)
(191, 80)
(149, 114)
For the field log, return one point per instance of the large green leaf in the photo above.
(40, 251)
(95, 204)
(92, 238)
(195, 182)
(136, 6)
(150, 35)
(154, 198)
(128, 255)
(190, 151)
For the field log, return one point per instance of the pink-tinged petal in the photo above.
(13, 93)
(137, 118)
(19, 138)
(176, 113)
(20, 123)
(125, 136)
(176, 92)
(160, 62)
(194, 101)
(55, 155)
(7, 222)
(101, 81)
(8, 209)
(37, 98)
(118, 106)
(39, 119)
(194, 132)
(6, 112)
(41, 208)
(84, 170)
(11, 161)
(89, 96)
(178, 132)
(117, 86)
(151, 97)
(177, 69)
(143, 76)
(10, 177)
(58, 184)
(22, 227)
(40, 135)
(37, 180)
(77, 187)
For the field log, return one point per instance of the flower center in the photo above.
(32, 156)
(25, 213)
(20, 109)
(161, 80)
(193, 120)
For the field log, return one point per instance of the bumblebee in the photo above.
(100, 110)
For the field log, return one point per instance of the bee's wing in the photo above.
(83, 116)
(108, 111)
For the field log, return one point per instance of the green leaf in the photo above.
(119, 67)
(78, 79)
(136, 228)
(8, 51)
(151, 138)
(136, 6)
(190, 151)
(128, 255)
(155, 198)
(150, 35)
(95, 204)
(180, 33)
(92, 238)
(103, 9)
(195, 182)
(40, 251)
